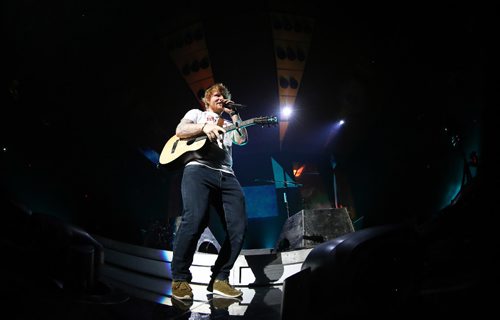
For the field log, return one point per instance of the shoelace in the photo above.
(228, 284)
(182, 284)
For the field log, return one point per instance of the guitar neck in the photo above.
(244, 124)
(240, 125)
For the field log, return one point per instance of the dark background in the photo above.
(90, 96)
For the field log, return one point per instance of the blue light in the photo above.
(261, 201)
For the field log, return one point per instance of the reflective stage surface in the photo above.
(25, 299)
(447, 267)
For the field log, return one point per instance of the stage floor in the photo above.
(144, 273)
(134, 283)
(132, 286)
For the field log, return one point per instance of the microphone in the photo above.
(235, 106)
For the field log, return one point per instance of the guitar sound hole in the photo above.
(174, 146)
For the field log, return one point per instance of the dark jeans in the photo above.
(203, 188)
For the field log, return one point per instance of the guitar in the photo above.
(177, 152)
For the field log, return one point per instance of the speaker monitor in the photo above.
(307, 228)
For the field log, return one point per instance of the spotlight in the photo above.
(286, 112)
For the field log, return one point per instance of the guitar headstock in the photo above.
(266, 121)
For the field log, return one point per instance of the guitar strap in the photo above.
(220, 122)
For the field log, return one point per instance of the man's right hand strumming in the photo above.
(213, 131)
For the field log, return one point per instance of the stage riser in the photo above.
(252, 267)
(159, 289)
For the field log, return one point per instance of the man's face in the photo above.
(217, 102)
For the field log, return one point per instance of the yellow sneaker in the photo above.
(223, 288)
(181, 290)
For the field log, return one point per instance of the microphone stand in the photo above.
(285, 200)
(285, 183)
